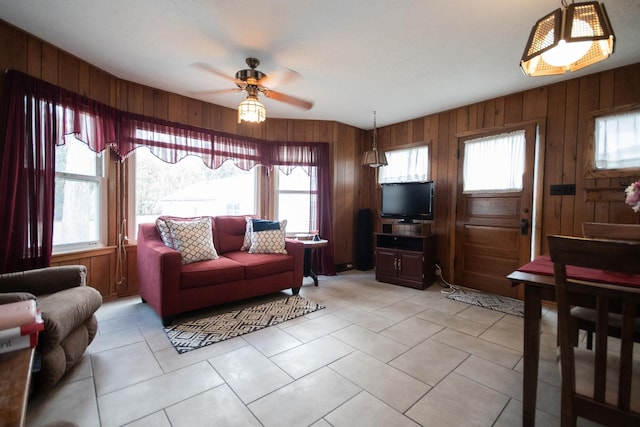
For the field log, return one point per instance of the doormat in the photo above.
(195, 334)
(490, 301)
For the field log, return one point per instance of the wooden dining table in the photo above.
(539, 285)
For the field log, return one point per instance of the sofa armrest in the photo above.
(158, 271)
(46, 280)
(295, 248)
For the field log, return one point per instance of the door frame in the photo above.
(538, 183)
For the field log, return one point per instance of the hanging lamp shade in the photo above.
(568, 39)
(373, 157)
(251, 110)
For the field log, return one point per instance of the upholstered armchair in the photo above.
(67, 305)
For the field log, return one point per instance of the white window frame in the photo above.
(615, 137)
(101, 179)
(278, 192)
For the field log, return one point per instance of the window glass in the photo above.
(494, 163)
(405, 165)
(78, 217)
(189, 188)
(616, 141)
(296, 198)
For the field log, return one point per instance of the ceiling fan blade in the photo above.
(215, 71)
(277, 79)
(214, 92)
(279, 96)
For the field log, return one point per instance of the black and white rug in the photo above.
(199, 333)
(490, 301)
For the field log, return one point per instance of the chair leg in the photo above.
(589, 340)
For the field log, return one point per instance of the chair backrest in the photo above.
(596, 402)
(605, 230)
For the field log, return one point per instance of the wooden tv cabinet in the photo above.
(405, 260)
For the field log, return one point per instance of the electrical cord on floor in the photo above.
(447, 288)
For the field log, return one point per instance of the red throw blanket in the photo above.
(543, 265)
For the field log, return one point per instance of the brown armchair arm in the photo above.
(10, 297)
(43, 281)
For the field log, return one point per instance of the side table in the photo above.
(309, 247)
(15, 377)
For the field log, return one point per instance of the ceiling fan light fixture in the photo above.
(373, 157)
(568, 39)
(251, 110)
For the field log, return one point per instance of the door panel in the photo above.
(490, 239)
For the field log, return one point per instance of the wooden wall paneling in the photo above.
(68, 72)
(178, 109)
(554, 152)
(134, 98)
(570, 173)
(627, 85)
(14, 49)
(194, 111)
(588, 101)
(488, 114)
(148, 101)
(34, 54)
(446, 186)
(476, 115)
(534, 104)
(513, 108)
(160, 104)
(499, 111)
(49, 63)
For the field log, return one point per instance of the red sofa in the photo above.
(172, 288)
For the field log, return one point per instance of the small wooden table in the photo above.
(15, 377)
(309, 247)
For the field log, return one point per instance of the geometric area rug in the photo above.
(199, 333)
(490, 301)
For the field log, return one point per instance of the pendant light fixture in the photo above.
(373, 157)
(251, 109)
(568, 39)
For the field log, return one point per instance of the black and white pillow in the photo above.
(193, 239)
(267, 237)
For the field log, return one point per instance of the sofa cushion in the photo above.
(163, 229)
(193, 239)
(267, 237)
(262, 265)
(229, 232)
(212, 272)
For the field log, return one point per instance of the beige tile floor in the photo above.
(377, 355)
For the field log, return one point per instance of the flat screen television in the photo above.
(407, 201)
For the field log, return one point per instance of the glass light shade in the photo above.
(251, 110)
(374, 158)
(568, 40)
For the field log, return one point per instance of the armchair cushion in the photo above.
(42, 281)
(65, 311)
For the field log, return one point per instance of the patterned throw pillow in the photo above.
(193, 239)
(267, 237)
(246, 244)
(165, 234)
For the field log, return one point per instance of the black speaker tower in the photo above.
(364, 240)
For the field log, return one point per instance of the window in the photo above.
(189, 188)
(296, 197)
(616, 141)
(79, 197)
(494, 163)
(406, 165)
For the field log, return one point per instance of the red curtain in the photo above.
(38, 117)
(41, 114)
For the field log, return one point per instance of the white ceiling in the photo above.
(402, 58)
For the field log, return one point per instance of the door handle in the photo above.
(524, 226)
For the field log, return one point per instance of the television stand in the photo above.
(406, 260)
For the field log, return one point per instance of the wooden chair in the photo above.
(584, 317)
(604, 388)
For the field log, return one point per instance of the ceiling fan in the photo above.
(254, 81)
